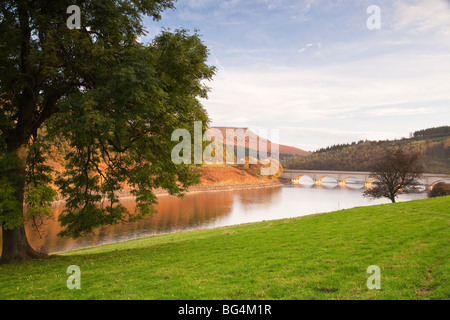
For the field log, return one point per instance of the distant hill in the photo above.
(211, 174)
(285, 151)
(433, 144)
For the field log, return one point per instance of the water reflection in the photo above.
(174, 214)
(216, 209)
(329, 185)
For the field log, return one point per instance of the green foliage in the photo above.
(121, 132)
(109, 103)
(357, 156)
(10, 210)
(432, 133)
(39, 192)
(38, 201)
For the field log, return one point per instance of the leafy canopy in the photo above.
(110, 101)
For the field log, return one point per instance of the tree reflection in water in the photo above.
(214, 209)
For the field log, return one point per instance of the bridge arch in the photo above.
(438, 181)
(370, 183)
(357, 184)
(328, 177)
(358, 180)
(297, 179)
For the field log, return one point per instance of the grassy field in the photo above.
(315, 257)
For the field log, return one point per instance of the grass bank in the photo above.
(315, 257)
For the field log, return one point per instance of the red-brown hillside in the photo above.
(283, 149)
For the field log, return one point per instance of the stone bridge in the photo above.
(428, 179)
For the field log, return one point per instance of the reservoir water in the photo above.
(212, 210)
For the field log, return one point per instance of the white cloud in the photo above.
(423, 16)
(309, 45)
(392, 112)
(299, 95)
(354, 92)
(273, 70)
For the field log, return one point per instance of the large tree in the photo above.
(394, 171)
(111, 101)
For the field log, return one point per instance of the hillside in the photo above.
(283, 149)
(433, 144)
(220, 175)
(211, 174)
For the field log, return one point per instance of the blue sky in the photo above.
(314, 71)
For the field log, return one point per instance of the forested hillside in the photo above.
(433, 144)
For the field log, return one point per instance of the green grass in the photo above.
(315, 257)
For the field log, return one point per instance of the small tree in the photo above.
(395, 170)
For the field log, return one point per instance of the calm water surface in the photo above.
(215, 209)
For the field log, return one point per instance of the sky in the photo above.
(316, 73)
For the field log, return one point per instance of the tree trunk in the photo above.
(16, 247)
(15, 243)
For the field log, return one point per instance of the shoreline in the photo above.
(125, 194)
